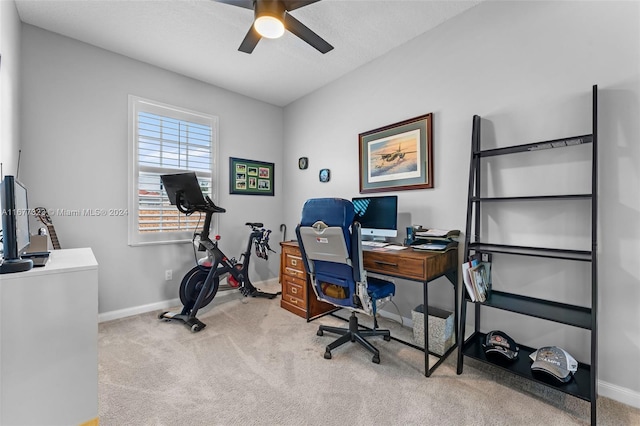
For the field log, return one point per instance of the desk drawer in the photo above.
(293, 262)
(293, 294)
(294, 287)
(409, 267)
(301, 275)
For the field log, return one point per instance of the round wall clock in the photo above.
(303, 163)
(325, 175)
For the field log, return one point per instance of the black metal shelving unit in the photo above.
(583, 383)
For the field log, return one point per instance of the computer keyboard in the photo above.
(374, 244)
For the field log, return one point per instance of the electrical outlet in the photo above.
(485, 257)
(168, 275)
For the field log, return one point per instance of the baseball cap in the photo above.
(555, 362)
(500, 346)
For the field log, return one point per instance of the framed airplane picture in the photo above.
(398, 156)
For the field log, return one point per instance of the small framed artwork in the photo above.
(398, 156)
(250, 177)
(324, 175)
(303, 163)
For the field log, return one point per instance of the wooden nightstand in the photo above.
(297, 295)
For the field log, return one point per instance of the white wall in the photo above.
(74, 132)
(9, 87)
(527, 68)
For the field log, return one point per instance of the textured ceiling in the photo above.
(200, 38)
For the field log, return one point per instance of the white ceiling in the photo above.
(200, 38)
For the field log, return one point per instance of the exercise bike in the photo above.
(200, 285)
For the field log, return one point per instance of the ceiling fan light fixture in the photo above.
(269, 26)
(269, 18)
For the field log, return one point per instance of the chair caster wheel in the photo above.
(161, 315)
(375, 359)
(386, 338)
(327, 355)
(196, 327)
(319, 333)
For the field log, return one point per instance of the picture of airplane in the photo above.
(393, 158)
(388, 157)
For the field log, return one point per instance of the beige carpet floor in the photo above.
(257, 364)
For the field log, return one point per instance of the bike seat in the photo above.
(255, 225)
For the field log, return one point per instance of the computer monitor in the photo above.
(15, 226)
(378, 216)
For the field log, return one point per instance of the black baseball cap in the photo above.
(500, 346)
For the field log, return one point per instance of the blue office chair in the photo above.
(330, 243)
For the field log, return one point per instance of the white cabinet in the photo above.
(49, 342)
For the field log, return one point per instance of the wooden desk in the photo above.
(422, 267)
(409, 264)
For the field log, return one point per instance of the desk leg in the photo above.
(452, 276)
(425, 297)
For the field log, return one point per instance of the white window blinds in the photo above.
(167, 140)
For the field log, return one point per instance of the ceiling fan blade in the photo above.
(247, 4)
(296, 4)
(250, 41)
(302, 31)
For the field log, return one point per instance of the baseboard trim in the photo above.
(406, 322)
(135, 310)
(165, 304)
(618, 393)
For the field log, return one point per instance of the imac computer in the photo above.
(15, 226)
(378, 216)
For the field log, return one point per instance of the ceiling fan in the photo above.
(271, 18)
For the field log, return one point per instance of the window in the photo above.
(164, 139)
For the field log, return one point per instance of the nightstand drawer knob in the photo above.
(294, 290)
(294, 262)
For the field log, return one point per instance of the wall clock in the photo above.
(325, 175)
(303, 163)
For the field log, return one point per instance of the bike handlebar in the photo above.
(209, 207)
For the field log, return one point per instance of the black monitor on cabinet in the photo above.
(15, 226)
